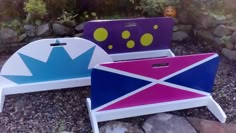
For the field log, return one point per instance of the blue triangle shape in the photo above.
(200, 77)
(107, 86)
(58, 66)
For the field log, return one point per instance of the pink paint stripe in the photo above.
(145, 67)
(155, 94)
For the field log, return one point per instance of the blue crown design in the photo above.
(58, 66)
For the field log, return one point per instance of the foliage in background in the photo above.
(56, 7)
(10, 9)
(36, 9)
(15, 24)
(67, 18)
(155, 7)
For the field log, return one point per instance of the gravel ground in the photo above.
(65, 110)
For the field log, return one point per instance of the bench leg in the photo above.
(216, 110)
(92, 117)
(2, 99)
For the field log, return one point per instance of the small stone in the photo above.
(167, 123)
(204, 34)
(8, 35)
(79, 35)
(180, 36)
(43, 30)
(233, 38)
(22, 37)
(229, 45)
(175, 28)
(221, 31)
(206, 126)
(80, 27)
(207, 21)
(61, 30)
(120, 127)
(30, 30)
(186, 28)
(183, 17)
(230, 54)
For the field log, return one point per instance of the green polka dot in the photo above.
(100, 34)
(110, 47)
(130, 44)
(125, 34)
(155, 27)
(146, 39)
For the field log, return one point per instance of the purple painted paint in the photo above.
(130, 35)
(158, 68)
(155, 94)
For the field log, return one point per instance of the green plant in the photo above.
(151, 7)
(35, 9)
(56, 7)
(225, 39)
(88, 16)
(67, 18)
(14, 24)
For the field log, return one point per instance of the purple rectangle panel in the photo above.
(130, 35)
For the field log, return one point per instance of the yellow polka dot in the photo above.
(125, 34)
(146, 39)
(100, 34)
(110, 46)
(155, 27)
(130, 44)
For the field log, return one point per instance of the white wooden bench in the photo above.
(50, 64)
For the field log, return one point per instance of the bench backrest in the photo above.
(157, 80)
(130, 35)
(53, 59)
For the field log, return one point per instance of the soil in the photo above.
(65, 109)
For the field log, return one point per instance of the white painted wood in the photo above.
(150, 109)
(100, 116)
(216, 110)
(92, 117)
(50, 85)
(2, 98)
(142, 55)
(41, 50)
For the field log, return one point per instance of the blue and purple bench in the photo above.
(148, 77)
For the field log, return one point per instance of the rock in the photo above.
(30, 30)
(175, 28)
(8, 35)
(22, 37)
(233, 28)
(180, 36)
(167, 123)
(206, 126)
(183, 17)
(207, 21)
(43, 30)
(230, 54)
(186, 28)
(61, 30)
(79, 35)
(120, 127)
(221, 31)
(233, 38)
(204, 34)
(217, 41)
(230, 4)
(80, 27)
(176, 21)
(229, 45)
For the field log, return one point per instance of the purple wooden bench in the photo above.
(127, 39)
